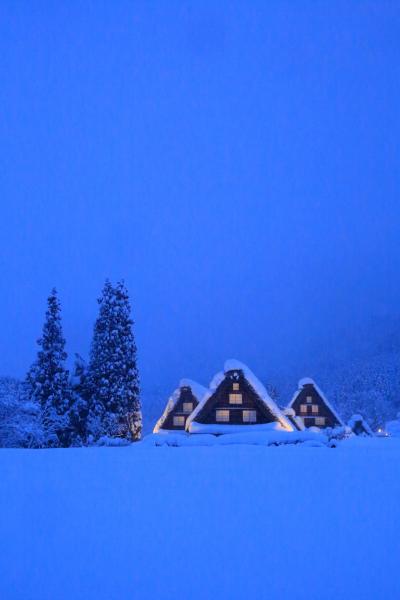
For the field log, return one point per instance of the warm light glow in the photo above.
(222, 416)
(187, 407)
(235, 399)
(179, 421)
(249, 416)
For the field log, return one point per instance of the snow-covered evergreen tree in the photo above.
(112, 381)
(47, 380)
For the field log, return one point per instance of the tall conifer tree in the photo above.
(47, 379)
(112, 382)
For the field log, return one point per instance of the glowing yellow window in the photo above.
(179, 421)
(235, 386)
(222, 416)
(320, 421)
(314, 408)
(249, 416)
(303, 408)
(235, 398)
(187, 407)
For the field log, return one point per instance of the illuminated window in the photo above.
(235, 386)
(249, 416)
(309, 399)
(187, 407)
(303, 408)
(235, 398)
(179, 421)
(314, 408)
(222, 416)
(320, 421)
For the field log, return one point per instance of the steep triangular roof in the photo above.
(259, 389)
(197, 390)
(291, 416)
(355, 419)
(308, 381)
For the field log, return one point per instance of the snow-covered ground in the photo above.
(222, 522)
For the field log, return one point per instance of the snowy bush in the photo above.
(112, 441)
(20, 417)
(338, 433)
(259, 438)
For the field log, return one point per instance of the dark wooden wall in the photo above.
(220, 401)
(186, 395)
(323, 409)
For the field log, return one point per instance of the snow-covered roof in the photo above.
(308, 381)
(360, 419)
(290, 413)
(197, 390)
(235, 365)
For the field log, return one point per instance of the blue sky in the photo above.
(236, 163)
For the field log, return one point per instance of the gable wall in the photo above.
(186, 395)
(323, 410)
(220, 401)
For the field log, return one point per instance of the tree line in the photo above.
(98, 403)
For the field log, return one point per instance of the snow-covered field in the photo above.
(221, 522)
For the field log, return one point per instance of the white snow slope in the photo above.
(222, 522)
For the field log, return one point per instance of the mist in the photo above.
(236, 165)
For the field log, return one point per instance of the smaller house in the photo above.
(359, 426)
(179, 406)
(236, 402)
(312, 407)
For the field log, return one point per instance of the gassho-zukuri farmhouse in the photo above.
(236, 401)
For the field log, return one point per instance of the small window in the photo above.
(249, 416)
(303, 408)
(187, 407)
(222, 416)
(235, 386)
(314, 408)
(320, 421)
(309, 399)
(235, 398)
(179, 421)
